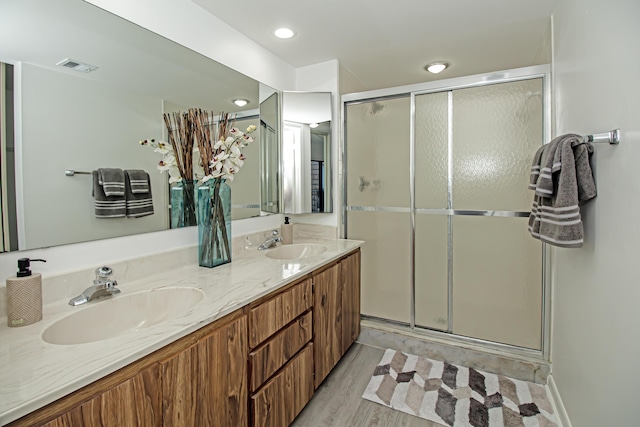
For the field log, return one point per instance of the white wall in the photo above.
(596, 345)
(81, 125)
(186, 23)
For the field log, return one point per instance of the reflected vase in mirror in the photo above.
(183, 203)
(214, 223)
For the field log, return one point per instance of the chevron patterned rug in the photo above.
(457, 396)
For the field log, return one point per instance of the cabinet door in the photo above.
(327, 321)
(134, 402)
(350, 278)
(206, 384)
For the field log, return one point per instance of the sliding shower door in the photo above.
(497, 265)
(379, 200)
(436, 185)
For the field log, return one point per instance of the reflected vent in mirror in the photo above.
(77, 65)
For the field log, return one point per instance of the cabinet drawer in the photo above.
(270, 316)
(270, 357)
(283, 397)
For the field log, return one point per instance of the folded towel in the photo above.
(107, 206)
(555, 217)
(138, 181)
(138, 204)
(112, 181)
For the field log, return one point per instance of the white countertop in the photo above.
(34, 373)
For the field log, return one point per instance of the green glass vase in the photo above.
(183, 203)
(214, 223)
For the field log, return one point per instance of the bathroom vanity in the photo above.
(252, 352)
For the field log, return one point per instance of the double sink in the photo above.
(138, 311)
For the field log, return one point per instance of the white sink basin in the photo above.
(296, 251)
(108, 318)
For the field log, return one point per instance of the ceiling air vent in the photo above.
(77, 65)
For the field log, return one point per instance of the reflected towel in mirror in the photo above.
(112, 181)
(139, 203)
(107, 206)
(138, 181)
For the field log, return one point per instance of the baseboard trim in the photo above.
(556, 401)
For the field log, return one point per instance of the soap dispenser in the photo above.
(286, 231)
(24, 295)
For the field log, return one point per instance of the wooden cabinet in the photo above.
(198, 380)
(259, 365)
(283, 397)
(206, 384)
(141, 393)
(336, 313)
(281, 362)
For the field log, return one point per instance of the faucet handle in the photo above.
(103, 272)
(275, 233)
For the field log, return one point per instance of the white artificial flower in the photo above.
(163, 166)
(235, 150)
(237, 161)
(163, 148)
(218, 144)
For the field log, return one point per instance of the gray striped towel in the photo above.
(107, 206)
(565, 181)
(138, 204)
(138, 181)
(112, 181)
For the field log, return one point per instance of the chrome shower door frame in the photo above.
(448, 85)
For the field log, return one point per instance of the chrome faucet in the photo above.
(271, 241)
(103, 286)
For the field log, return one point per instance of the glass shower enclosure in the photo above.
(436, 185)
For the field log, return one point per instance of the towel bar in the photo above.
(71, 172)
(612, 137)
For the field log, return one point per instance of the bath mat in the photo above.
(457, 396)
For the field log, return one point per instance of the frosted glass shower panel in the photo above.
(497, 281)
(377, 135)
(431, 269)
(385, 263)
(496, 131)
(431, 136)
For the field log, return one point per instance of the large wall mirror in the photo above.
(306, 152)
(69, 119)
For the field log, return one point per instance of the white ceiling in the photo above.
(387, 43)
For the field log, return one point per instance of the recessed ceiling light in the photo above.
(240, 102)
(436, 67)
(313, 125)
(284, 33)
